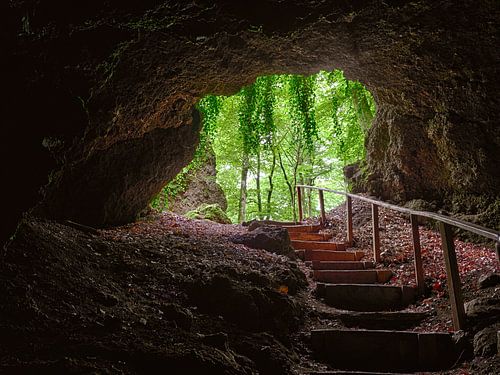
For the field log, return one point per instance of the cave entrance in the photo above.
(257, 144)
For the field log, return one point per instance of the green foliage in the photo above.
(292, 129)
(209, 107)
(302, 107)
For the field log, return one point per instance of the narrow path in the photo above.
(380, 338)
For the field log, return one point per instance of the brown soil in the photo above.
(166, 293)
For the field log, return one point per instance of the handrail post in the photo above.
(322, 206)
(350, 235)
(419, 270)
(376, 234)
(453, 277)
(299, 202)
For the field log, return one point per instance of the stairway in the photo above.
(375, 312)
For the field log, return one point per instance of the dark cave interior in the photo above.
(108, 87)
(100, 104)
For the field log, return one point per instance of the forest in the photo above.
(280, 131)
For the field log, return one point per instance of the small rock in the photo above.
(498, 342)
(485, 341)
(143, 321)
(483, 307)
(463, 344)
(386, 253)
(181, 316)
(488, 280)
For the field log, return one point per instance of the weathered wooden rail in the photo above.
(444, 223)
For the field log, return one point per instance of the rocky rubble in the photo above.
(144, 299)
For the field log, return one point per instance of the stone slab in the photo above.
(383, 319)
(367, 350)
(346, 276)
(384, 350)
(363, 297)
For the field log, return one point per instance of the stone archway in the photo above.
(113, 91)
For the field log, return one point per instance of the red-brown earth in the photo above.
(172, 293)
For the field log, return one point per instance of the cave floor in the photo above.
(172, 293)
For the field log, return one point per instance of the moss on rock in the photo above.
(212, 212)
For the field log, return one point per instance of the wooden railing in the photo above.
(444, 223)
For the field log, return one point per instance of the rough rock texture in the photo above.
(488, 280)
(116, 189)
(89, 84)
(127, 302)
(211, 212)
(483, 308)
(485, 341)
(201, 188)
(271, 238)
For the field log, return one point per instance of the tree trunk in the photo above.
(271, 187)
(257, 181)
(243, 189)
(291, 189)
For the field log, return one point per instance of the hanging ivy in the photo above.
(302, 107)
(209, 108)
(248, 130)
(288, 128)
(264, 111)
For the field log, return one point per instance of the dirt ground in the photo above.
(176, 295)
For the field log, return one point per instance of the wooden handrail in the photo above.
(474, 228)
(448, 246)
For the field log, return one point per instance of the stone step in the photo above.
(352, 276)
(341, 265)
(318, 245)
(340, 372)
(310, 228)
(306, 236)
(382, 320)
(332, 255)
(366, 297)
(280, 223)
(383, 350)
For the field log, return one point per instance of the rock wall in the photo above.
(201, 187)
(89, 85)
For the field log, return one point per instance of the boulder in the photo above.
(273, 239)
(212, 212)
(488, 280)
(483, 307)
(200, 187)
(485, 341)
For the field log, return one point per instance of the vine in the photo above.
(281, 130)
(209, 107)
(302, 107)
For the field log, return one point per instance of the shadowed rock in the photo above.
(271, 238)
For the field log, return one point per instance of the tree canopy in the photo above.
(278, 132)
